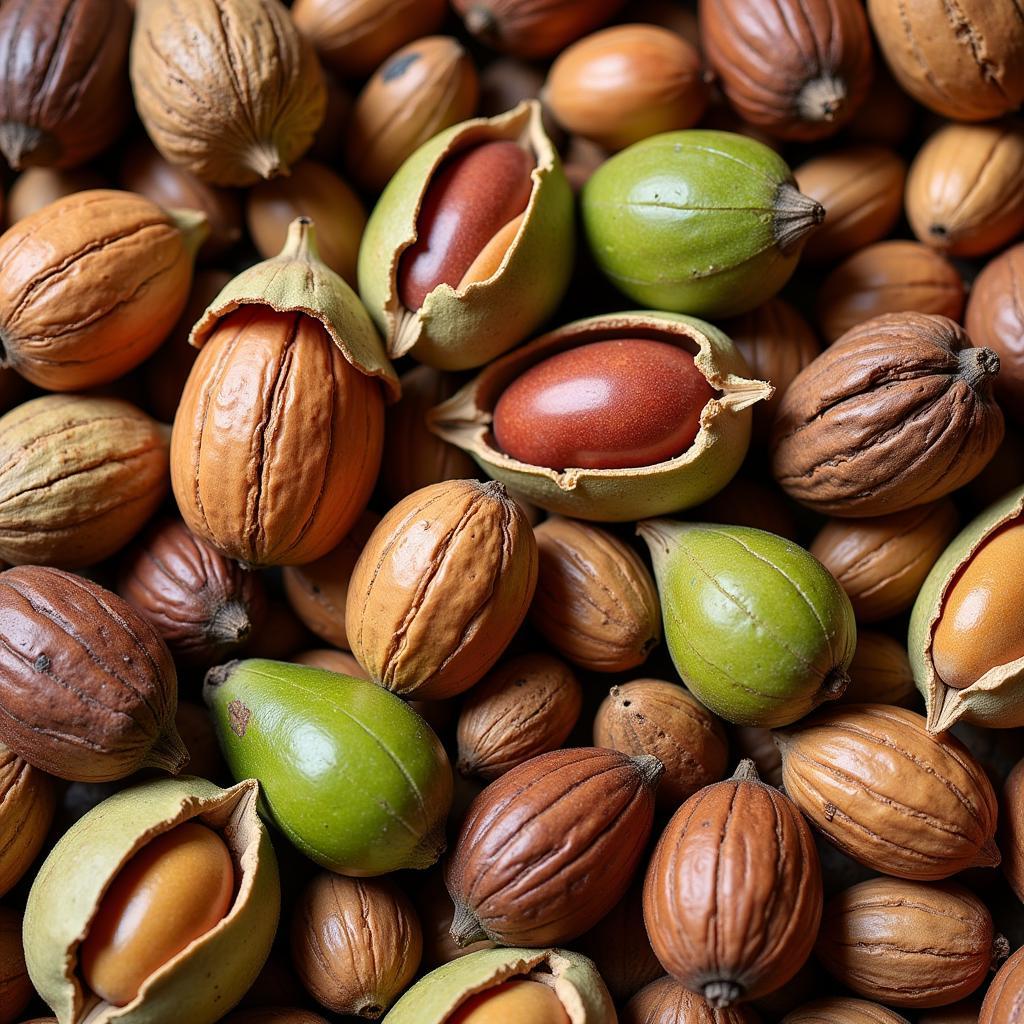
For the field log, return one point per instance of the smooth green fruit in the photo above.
(701, 222)
(758, 629)
(348, 771)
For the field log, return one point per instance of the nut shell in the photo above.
(15, 988)
(27, 803)
(843, 1010)
(1003, 998)
(880, 672)
(665, 1001)
(1011, 828)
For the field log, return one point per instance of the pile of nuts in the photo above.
(512, 512)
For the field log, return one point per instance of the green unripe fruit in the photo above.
(348, 771)
(701, 222)
(758, 629)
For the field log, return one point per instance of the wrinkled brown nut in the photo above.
(880, 672)
(1003, 998)
(27, 803)
(665, 1001)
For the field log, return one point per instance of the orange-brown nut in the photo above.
(1004, 995)
(880, 672)
(27, 803)
(665, 1001)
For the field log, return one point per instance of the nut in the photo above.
(435, 912)
(15, 987)
(1004, 993)
(27, 802)
(37, 187)
(334, 661)
(274, 1015)
(747, 502)
(759, 746)
(880, 672)
(842, 1010)
(665, 1001)
(1011, 828)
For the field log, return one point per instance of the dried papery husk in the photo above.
(576, 982)
(616, 494)
(665, 1001)
(996, 700)
(214, 971)
(843, 1010)
(880, 672)
(27, 804)
(458, 329)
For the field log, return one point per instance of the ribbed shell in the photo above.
(202, 604)
(87, 687)
(550, 847)
(277, 439)
(842, 1010)
(27, 803)
(63, 87)
(15, 987)
(904, 943)
(89, 287)
(733, 894)
(1004, 1001)
(227, 89)
(665, 1001)
(889, 794)
(897, 413)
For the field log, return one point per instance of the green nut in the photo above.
(353, 777)
(758, 629)
(996, 699)
(703, 222)
(211, 974)
(574, 978)
(616, 495)
(460, 329)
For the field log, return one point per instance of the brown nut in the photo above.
(333, 661)
(898, 413)
(929, 818)
(880, 672)
(1003, 998)
(911, 944)
(888, 277)
(274, 1015)
(886, 115)
(15, 988)
(843, 1010)
(353, 36)
(435, 635)
(733, 896)
(356, 943)
(758, 745)
(418, 91)
(650, 716)
(861, 188)
(37, 187)
(1011, 829)
(963, 1012)
(63, 90)
(794, 68)
(624, 83)
(881, 562)
(27, 803)
(202, 604)
(524, 707)
(665, 1001)
(198, 733)
(745, 502)
(435, 909)
(585, 812)
(79, 508)
(965, 190)
(596, 602)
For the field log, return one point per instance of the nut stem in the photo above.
(722, 994)
(24, 146)
(796, 216)
(746, 771)
(465, 927)
(821, 99)
(230, 624)
(834, 685)
(977, 365)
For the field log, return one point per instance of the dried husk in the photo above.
(882, 562)
(798, 69)
(880, 672)
(1003, 998)
(907, 944)
(996, 700)
(15, 987)
(733, 895)
(525, 706)
(227, 89)
(91, 284)
(576, 982)
(616, 494)
(899, 412)
(110, 478)
(665, 1001)
(456, 330)
(211, 973)
(843, 1010)
(435, 635)
(27, 803)
(888, 793)
(63, 95)
(585, 812)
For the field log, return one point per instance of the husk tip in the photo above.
(168, 753)
(465, 928)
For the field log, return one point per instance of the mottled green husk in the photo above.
(348, 771)
(996, 700)
(758, 629)
(575, 980)
(206, 979)
(703, 222)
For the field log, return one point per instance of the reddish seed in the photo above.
(606, 405)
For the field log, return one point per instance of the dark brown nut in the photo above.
(665, 1001)
(794, 68)
(898, 413)
(758, 744)
(624, 83)
(965, 190)
(733, 896)
(650, 716)
(595, 602)
(888, 277)
(418, 91)
(843, 1010)
(37, 187)
(745, 502)
(886, 116)
(525, 706)
(15, 988)
(585, 812)
(435, 909)
(63, 90)
(317, 590)
(880, 672)
(881, 562)
(202, 604)
(89, 688)
(963, 1012)
(353, 36)
(928, 818)
(777, 342)
(27, 803)
(964, 60)
(1003, 998)
(1011, 829)
(356, 943)
(333, 661)
(910, 944)
(861, 188)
